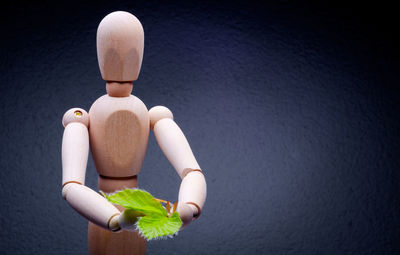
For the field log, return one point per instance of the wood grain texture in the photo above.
(119, 134)
(109, 185)
(120, 42)
(292, 104)
(104, 242)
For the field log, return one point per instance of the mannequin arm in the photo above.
(75, 149)
(173, 143)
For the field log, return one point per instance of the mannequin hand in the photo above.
(128, 219)
(185, 213)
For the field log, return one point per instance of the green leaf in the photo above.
(158, 226)
(155, 222)
(138, 200)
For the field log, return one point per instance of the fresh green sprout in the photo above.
(157, 221)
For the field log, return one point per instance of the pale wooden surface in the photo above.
(186, 212)
(119, 131)
(193, 189)
(74, 152)
(120, 42)
(110, 185)
(105, 242)
(119, 89)
(119, 135)
(76, 115)
(157, 113)
(174, 145)
(89, 204)
(75, 149)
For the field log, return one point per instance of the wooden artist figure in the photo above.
(117, 130)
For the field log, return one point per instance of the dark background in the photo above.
(292, 110)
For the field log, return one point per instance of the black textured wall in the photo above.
(292, 110)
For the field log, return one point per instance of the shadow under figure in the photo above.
(117, 126)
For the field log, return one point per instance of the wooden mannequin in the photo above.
(117, 127)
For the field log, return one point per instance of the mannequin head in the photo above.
(120, 42)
